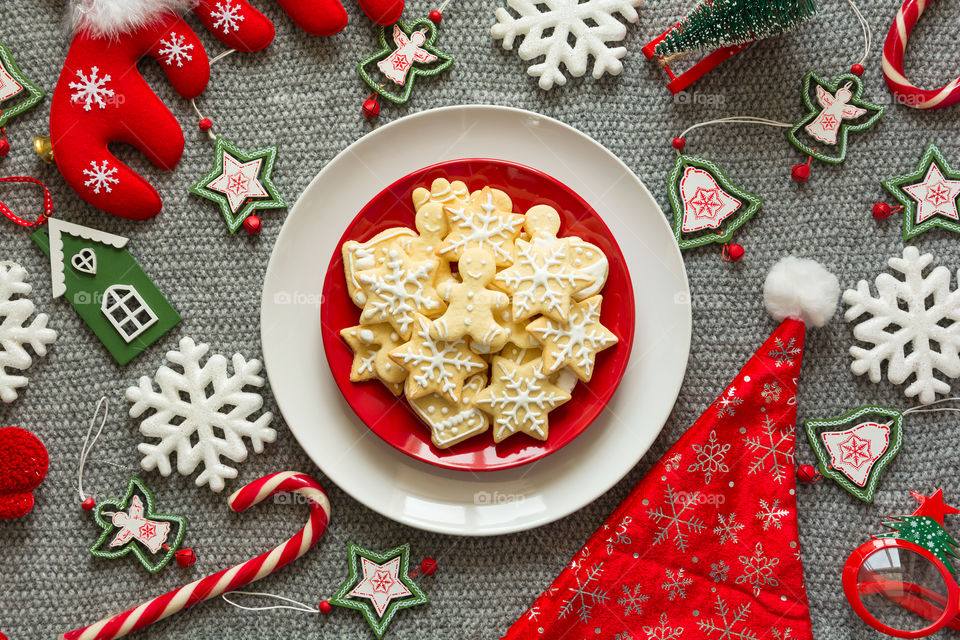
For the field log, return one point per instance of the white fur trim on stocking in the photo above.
(114, 18)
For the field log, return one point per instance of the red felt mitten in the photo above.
(240, 26)
(23, 466)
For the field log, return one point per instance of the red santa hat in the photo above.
(706, 545)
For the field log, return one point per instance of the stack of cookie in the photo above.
(504, 336)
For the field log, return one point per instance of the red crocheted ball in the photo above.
(23, 466)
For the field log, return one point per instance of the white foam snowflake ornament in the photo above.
(201, 413)
(913, 336)
(548, 26)
(15, 310)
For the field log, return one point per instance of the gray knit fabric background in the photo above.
(303, 94)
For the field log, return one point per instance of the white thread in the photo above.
(735, 120)
(193, 101)
(88, 443)
(299, 605)
(929, 408)
(867, 33)
(443, 6)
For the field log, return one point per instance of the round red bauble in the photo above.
(881, 211)
(435, 17)
(205, 124)
(325, 607)
(679, 144)
(428, 566)
(735, 252)
(186, 557)
(800, 172)
(857, 69)
(808, 473)
(88, 504)
(4, 148)
(252, 225)
(371, 108)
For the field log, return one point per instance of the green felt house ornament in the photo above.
(107, 287)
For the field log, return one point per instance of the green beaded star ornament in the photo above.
(707, 206)
(928, 195)
(834, 110)
(379, 585)
(855, 448)
(411, 54)
(241, 183)
(130, 526)
(13, 84)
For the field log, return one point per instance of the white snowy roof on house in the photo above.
(56, 229)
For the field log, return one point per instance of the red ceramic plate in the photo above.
(390, 417)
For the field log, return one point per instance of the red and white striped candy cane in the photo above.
(893, 50)
(235, 577)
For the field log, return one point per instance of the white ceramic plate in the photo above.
(389, 481)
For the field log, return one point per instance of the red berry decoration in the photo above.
(808, 473)
(205, 124)
(857, 69)
(732, 252)
(88, 504)
(881, 211)
(4, 148)
(679, 144)
(435, 16)
(325, 607)
(186, 558)
(252, 225)
(371, 107)
(800, 172)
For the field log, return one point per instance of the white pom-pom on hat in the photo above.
(802, 289)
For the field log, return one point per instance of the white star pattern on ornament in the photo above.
(381, 584)
(226, 16)
(101, 177)
(91, 89)
(705, 204)
(175, 50)
(935, 195)
(239, 181)
(855, 451)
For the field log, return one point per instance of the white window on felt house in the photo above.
(127, 311)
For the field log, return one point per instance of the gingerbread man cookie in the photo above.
(434, 365)
(431, 223)
(441, 191)
(485, 222)
(363, 256)
(576, 342)
(543, 224)
(541, 280)
(519, 398)
(471, 304)
(453, 422)
(371, 346)
(397, 290)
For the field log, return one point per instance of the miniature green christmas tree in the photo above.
(926, 532)
(723, 23)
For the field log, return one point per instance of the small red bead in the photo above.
(325, 607)
(252, 225)
(735, 252)
(428, 567)
(4, 148)
(857, 69)
(800, 172)
(205, 125)
(881, 211)
(435, 16)
(371, 108)
(808, 473)
(186, 557)
(88, 504)
(679, 144)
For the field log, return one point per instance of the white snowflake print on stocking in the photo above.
(175, 50)
(663, 631)
(912, 326)
(668, 517)
(774, 451)
(711, 458)
(727, 626)
(90, 89)
(548, 26)
(632, 600)
(585, 595)
(676, 585)
(758, 570)
(201, 413)
(770, 513)
(15, 310)
(101, 176)
(728, 528)
(226, 16)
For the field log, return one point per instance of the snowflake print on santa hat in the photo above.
(632, 600)
(663, 631)
(774, 449)
(668, 517)
(676, 584)
(770, 514)
(728, 627)
(711, 457)
(758, 570)
(585, 594)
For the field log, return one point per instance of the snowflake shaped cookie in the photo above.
(15, 310)
(576, 342)
(922, 337)
(542, 280)
(434, 365)
(485, 222)
(201, 413)
(547, 26)
(371, 346)
(397, 290)
(519, 398)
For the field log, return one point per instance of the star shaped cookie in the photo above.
(371, 346)
(397, 290)
(576, 342)
(519, 398)
(541, 280)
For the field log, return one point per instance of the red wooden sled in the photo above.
(680, 82)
